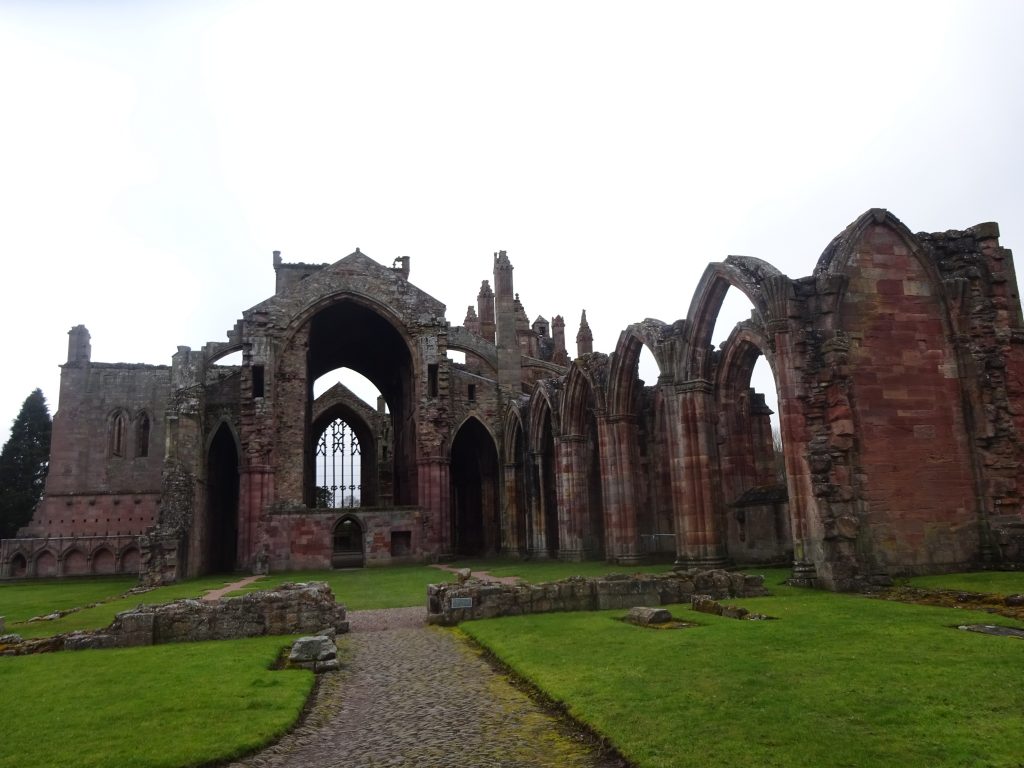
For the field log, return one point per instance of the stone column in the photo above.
(693, 451)
(617, 435)
(571, 488)
(536, 537)
(434, 486)
(792, 423)
(255, 494)
(510, 511)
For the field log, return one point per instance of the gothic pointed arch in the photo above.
(348, 330)
(585, 391)
(515, 480)
(74, 561)
(103, 561)
(117, 444)
(544, 426)
(476, 520)
(512, 433)
(344, 437)
(544, 410)
(902, 395)
(765, 286)
(143, 428)
(755, 522)
(44, 563)
(215, 536)
(18, 565)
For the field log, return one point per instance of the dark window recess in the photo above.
(471, 392)
(117, 436)
(257, 381)
(432, 380)
(348, 537)
(142, 438)
(401, 543)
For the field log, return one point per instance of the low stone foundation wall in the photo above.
(448, 604)
(290, 609)
(1008, 535)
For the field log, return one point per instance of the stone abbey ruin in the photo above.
(899, 365)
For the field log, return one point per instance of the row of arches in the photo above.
(75, 560)
(598, 463)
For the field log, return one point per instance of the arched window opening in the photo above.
(647, 367)
(117, 435)
(353, 381)
(230, 359)
(735, 309)
(142, 437)
(755, 519)
(338, 467)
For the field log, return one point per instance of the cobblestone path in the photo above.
(412, 695)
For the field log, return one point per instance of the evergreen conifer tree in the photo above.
(23, 464)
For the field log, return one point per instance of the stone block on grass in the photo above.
(644, 615)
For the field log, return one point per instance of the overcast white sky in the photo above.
(153, 154)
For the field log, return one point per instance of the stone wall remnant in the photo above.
(449, 604)
(288, 609)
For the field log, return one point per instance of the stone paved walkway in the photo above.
(478, 575)
(216, 594)
(412, 695)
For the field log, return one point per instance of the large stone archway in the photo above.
(476, 518)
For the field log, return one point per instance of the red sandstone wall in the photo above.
(304, 541)
(914, 463)
(90, 491)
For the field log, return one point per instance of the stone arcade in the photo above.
(898, 365)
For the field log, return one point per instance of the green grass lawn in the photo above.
(20, 600)
(183, 704)
(41, 596)
(991, 582)
(406, 585)
(838, 680)
(359, 589)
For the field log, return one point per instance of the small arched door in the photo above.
(347, 548)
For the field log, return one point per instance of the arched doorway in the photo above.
(220, 543)
(350, 335)
(347, 543)
(474, 478)
(755, 520)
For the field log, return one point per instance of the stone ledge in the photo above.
(489, 600)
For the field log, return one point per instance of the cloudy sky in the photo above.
(153, 154)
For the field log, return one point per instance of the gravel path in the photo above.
(412, 695)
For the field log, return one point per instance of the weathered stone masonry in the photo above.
(288, 609)
(898, 365)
